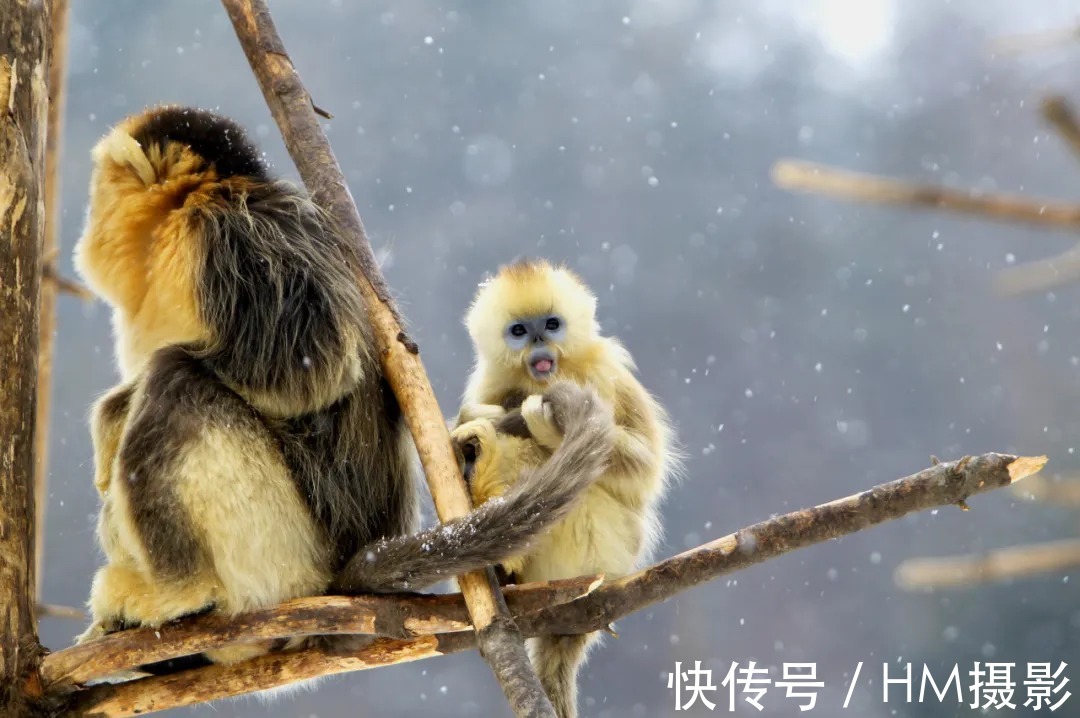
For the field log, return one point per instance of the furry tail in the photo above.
(503, 526)
(557, 660)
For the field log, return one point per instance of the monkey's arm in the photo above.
(472, 412)
(633, 453)
(640, 449)
(107, 422)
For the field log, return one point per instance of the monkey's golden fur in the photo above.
(615, 526)
(253, 452)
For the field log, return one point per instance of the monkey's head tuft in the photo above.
(532, 318)
(220, 142)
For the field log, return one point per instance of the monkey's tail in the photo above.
(557, 660)
(498, 529)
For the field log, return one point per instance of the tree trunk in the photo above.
(24, 60)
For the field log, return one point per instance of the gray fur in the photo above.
(501, 527)
(557, 660)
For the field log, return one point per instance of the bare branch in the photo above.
(290, 103)
(1063, 492)
(1030, 41)
(51, 610)
(944, 484)
(843, 184)
(1040, 275)
(49, 276)
(149, 695)
(1057, 112)
(998, 565)
(387, 615)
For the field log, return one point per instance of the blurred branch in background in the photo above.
(999, 565)
(861, 187)
(49, 275)
(1056, 111)
(49, 609)
(1037, 276)
(1007, 563)
(48, 289)
(1041, 40)
(1064, 492)
(943, 484)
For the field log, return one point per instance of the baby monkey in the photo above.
(534, 330)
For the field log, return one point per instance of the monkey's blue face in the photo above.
(535, 338)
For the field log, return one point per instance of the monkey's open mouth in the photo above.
(541, 365)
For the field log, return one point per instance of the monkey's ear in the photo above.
(119, 148)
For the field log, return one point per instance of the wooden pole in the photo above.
(500, 642)
(24, 71)
(49, 289)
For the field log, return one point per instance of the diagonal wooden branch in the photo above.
(500, 642)
(843, 184)
(399, 616)
(998, 565)
(943, 484)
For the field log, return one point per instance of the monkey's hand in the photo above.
(561, 407)
(476, 446)
(471, 412)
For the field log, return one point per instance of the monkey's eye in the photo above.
(553, 324)
(518, 330)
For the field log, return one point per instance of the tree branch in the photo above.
(1030, 41)
(395, 615)
(998, 565)
(24, 67)
(1065, 492)
(1040, 275)
(49, 275)
(834, 182)
(1061, 117)
(943, 484)
(290, 104)
(52, 610)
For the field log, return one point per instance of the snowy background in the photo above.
(807, 348)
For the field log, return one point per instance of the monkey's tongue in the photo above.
(543, 366)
